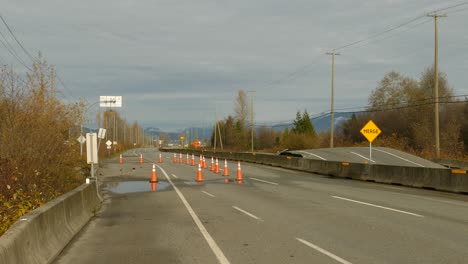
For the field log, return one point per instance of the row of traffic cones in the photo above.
(140, 160)
(239, 177)
(214, 167)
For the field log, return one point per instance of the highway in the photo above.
(380, 155)
(274, 216)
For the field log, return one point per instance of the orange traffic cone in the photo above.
(160, 158)
(180, 158)
(154, 186)
(175, 158)
(212, 165)
(200, 161)
(204, 163)
(217, 166)
(193, 160)
(239, 173)
(141, 158)
(187, 160)
(120, 159)
(154, 177)
(226, 170)
(199, 174)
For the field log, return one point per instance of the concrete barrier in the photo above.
(455, 164)
(39, 236)
(430, 178)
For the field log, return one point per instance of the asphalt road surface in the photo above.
(274, 216)
(380, 155)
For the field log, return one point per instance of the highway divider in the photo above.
(39, 236)
(429, 178)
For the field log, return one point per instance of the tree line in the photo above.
(234, 132)
(402, 107)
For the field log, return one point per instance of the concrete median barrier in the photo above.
(430, 178)
(39, 236)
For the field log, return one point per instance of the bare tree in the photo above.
(241, 107)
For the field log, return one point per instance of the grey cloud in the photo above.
(175, 57)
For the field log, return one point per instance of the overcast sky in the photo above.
(176, 62)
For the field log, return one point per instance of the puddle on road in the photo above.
(135, 186)
(122, 187)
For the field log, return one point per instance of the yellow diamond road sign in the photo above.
(370, 131)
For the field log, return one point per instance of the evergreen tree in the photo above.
(308, 128)
(303, 125)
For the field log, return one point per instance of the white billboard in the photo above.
(110, 101)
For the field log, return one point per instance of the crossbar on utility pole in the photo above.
(332, 110)
(436, 83)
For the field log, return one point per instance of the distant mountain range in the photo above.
(189, 133)
(321, 124)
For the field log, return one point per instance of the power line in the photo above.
(393, 35)
(450, 7)
(379, 34)
(458, 10)
(396, 27)
(296, 73)
(31, 58)
(290, 76)
(17, 41)
(13, 52)
(378, 108)
(11, 47)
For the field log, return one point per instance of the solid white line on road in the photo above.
(378, 206)
(173, 175)
(247, 213)
(214, 247)
(312, 154)
(255, 179)
(396, 156)
(323, 251)
(361, 156)
(207, 193)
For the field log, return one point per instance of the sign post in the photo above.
(182, 137)
(370, 131)
(109, 144)
(82, 140)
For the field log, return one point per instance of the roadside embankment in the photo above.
(39, 236)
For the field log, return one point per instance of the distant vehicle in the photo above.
(196, 143)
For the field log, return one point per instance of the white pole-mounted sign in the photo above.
(102, 133)
(110, 101)
(91, 148)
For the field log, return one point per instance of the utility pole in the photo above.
(252, 119)
(332, 111)
(436, 82)
(220, 138)
(215, 131)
